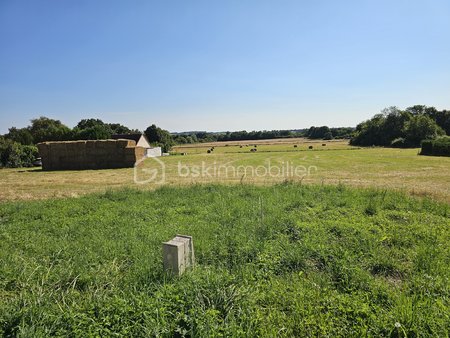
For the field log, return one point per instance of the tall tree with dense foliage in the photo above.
(442, 119)
(369, 132)
(96, 129)
(45, 129)
(159, 137)
(20, 135)
(92, 129)
(402, 128)
(421, 127)
(118, 128)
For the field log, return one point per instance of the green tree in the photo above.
(323, 132)
(398, 128)
(97, 132)
(45, 129)
(159, 137)
(417, 109)
(392, 127)
(118, 128)
(369, 133)
(14, 155)
(421, 127)
(342, 132)
(442, 119)
(89, 123)
(20, 135)
(92, 129)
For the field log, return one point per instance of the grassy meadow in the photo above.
(276, 145)
(336, 163)
(279, 260)
(345, 249)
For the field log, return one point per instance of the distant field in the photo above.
(283, 144)
(274, 261)
(335, 163)
(278, 255)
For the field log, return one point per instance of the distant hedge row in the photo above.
(437, 147)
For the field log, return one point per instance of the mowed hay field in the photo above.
(277, 255)
(275, 145)
(284, 260)
(335, 163)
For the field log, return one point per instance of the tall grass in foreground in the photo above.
(284, 260)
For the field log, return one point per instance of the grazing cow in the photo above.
(310, 147)
(295, 146)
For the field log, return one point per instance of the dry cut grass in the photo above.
(335, 163)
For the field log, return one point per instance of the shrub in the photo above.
(15, 155)
(427, 147)
(28, 155)
(437, 147)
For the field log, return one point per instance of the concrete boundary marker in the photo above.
(178, 255)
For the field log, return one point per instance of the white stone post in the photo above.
(178, 254)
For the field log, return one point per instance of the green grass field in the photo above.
(276, 145)
(336, 163)
(281, 260)
(359, 247)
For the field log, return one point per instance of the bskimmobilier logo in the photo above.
(228, 170)
(153, 170)
(149, 170)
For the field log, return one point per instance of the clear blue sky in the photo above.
(221, 65)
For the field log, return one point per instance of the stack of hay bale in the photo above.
(98, 154)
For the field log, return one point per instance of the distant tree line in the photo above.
(313, 133)
(326, 133)
(18, 146)
(393, 127)
(402, 128)
(45, 129)
(201, 136)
